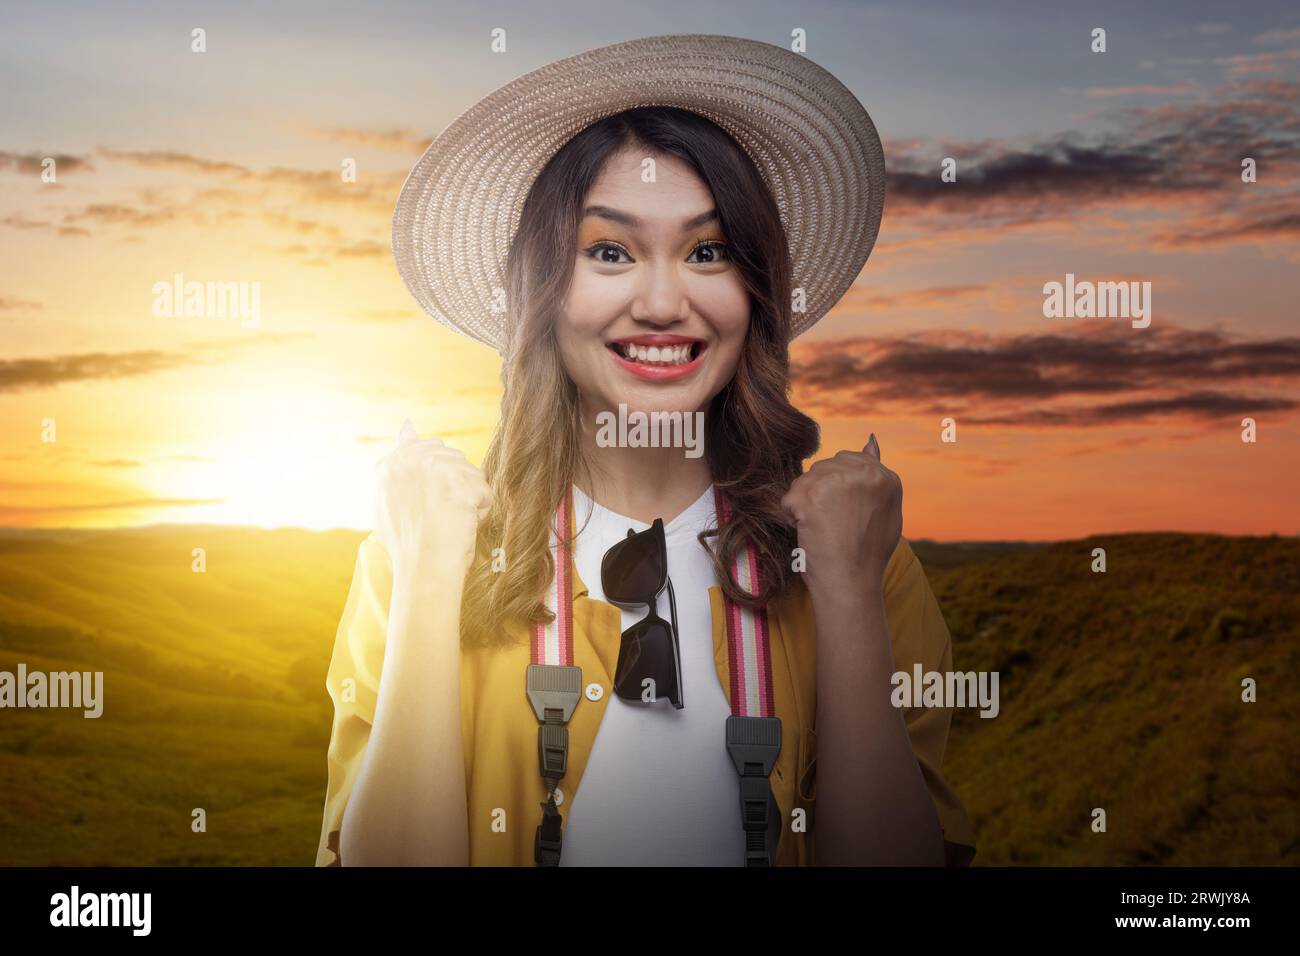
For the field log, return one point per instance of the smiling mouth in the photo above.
(658, 355)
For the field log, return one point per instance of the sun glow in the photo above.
(290, 457)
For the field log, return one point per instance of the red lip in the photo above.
(658, 373)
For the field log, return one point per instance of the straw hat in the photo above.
(810, 138)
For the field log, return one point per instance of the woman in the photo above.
(663, 258)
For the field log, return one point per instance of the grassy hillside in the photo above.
(214, 690)
(1118, 690)
(1122, 691)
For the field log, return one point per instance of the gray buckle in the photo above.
(754, 743)
(554, 691)
(553, 750)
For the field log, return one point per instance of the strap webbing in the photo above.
(553, 642)
(753, 732)
(748, 648)
(554, 684)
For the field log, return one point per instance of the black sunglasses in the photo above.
(633, 573)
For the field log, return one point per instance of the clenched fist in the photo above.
(848, 512)
(428, 503)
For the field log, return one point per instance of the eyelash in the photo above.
(592, 249)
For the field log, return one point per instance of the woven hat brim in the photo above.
(809, 136)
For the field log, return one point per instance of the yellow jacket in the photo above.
(500, 729)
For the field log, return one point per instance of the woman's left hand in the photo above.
(848, 512)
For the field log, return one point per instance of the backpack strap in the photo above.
(753, 731)
(554, 685)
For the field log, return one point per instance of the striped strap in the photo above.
(748, 647)
(553, 642)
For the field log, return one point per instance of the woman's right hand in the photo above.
(429, 501)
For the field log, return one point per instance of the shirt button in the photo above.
(595, 692)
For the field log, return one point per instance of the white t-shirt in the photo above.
(658, 788)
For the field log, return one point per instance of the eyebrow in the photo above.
(627, 219)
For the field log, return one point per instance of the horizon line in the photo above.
(173, 525)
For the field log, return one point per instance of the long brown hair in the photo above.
(755, 440)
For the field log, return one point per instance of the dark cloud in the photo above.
(1093, 376)
(1264, 220)
(20, 374)
(49, 371)
(1183, 152)
(1209, 406)
(30, 163)
(131, 503)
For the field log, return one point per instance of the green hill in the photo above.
(1123, 691)
(214, 693)
(1119, 690)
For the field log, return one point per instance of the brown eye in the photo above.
(708, 252)
(607, 253)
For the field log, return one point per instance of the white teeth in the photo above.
(657, 355)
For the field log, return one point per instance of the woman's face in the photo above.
(656, 313)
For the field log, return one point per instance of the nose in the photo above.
(661, 296)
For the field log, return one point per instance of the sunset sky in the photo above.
(225, 166)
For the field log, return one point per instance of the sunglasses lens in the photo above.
(646, 654)
(633, 570)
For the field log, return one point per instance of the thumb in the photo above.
(872, 447)
(789, 504)
(408, 434)
(484, 504)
